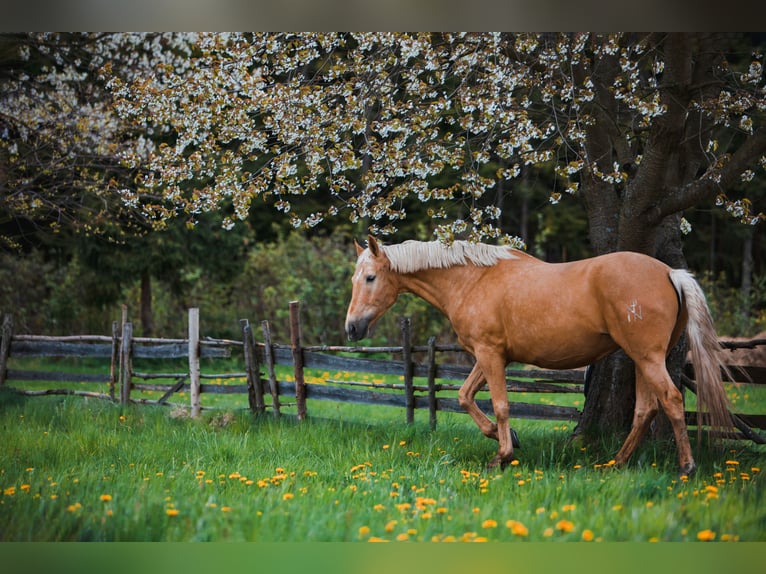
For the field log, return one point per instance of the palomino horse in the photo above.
(506, 305)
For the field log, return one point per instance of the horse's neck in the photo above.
(440, 287)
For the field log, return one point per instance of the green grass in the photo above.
(74, 468)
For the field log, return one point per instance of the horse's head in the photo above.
(374, 289)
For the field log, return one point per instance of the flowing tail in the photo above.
(712, 403)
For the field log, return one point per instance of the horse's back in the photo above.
(562, 315)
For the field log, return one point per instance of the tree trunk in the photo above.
(147, 317)
(747, 277)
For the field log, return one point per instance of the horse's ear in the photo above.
(359, 248)
(372, 243)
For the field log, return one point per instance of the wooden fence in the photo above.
(435, 392)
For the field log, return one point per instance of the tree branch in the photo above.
(706, 188)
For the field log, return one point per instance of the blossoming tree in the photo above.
(640, 127)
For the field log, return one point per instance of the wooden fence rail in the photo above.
(260, 359)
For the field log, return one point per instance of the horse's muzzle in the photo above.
(356, 330)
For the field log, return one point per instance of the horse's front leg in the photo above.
(493, 366)
(466, 398)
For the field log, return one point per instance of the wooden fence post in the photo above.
(432, 382)
(194, 369)
(409, 392)
(268, 357)
(126, 347)
(254, 388)
(5, 346)
(295, 342)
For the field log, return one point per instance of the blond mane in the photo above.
(411, 256)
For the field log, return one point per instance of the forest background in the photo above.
(73, 254)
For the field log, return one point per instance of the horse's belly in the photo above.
(564, 353)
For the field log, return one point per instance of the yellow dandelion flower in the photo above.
(226, 509)
(548, 532)
(378, 507)
(489, 523)
(376, 539)
(105, 497)
(568, 507)
(287, 496)
(706, 535)
(364, 530)
(517, 528)
(172, 512)
(390, 525)
(587, 535)
(565, 526)
(25, 487)
(402, 537)
(10, 491)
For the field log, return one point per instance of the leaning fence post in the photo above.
(409, 392)
(268, 357)
(432, 382)
(125, 362)
(254, 389)
(5, 346)
(194, 370)
(295, 342)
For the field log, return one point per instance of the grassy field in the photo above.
(75, 468)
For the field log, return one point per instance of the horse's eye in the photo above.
(370, 278)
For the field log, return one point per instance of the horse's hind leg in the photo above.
(645, 411)
(656, 376)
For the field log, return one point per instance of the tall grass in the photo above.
(73, 468)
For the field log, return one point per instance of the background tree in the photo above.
(58, 140)
(59, 165)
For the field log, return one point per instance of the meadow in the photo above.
(79, 469)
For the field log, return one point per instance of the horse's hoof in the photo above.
(688, 469)
(498, 462)
(515, 439)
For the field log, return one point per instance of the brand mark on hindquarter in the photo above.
(634, 311)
